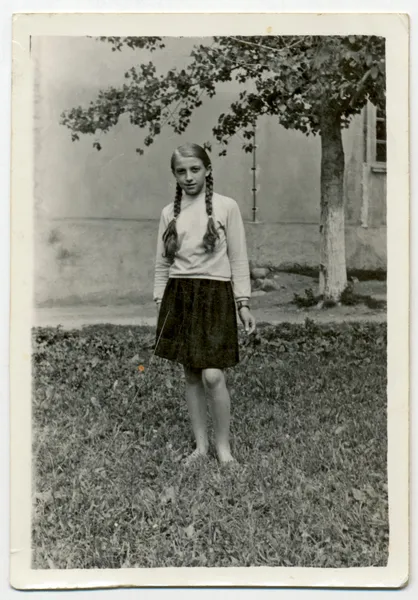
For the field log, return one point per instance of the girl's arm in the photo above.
(237, 254)
(162, 265)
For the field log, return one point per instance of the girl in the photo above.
(201, 272)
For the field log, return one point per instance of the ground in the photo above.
(111, 432)
(272, 307)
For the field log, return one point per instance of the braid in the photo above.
(177, 200)
(170, 237)
(211, 235)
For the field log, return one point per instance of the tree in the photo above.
(314, 84)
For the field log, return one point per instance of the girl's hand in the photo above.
(247, 319)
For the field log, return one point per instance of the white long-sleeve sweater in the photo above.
(229, 260)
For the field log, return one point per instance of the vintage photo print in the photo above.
(209, 312)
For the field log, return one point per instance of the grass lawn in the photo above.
(308, 428)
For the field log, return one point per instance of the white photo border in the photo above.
(395, 28)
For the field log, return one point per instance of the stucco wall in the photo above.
(110, 261)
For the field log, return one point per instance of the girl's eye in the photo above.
(181, 171)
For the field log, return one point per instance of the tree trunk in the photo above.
(332, 269)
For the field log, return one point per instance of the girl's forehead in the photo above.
(187, 161)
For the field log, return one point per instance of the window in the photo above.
(380, 135)
(373, 207)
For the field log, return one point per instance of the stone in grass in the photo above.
(257, 284)
(378, 297)
(269, 285)
(257, 293)
(259, 272)
(277, 278)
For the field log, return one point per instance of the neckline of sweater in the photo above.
(191, 198)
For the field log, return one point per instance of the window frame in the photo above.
(371, 118)
(371, 166)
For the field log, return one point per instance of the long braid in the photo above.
(177, 200)
(211, 235)
(170, 237)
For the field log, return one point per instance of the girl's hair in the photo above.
(170, 237)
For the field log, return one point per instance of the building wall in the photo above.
(96, 212)
(112, 261)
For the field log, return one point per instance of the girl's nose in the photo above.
(189, 176)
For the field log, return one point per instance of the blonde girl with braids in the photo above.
(202, 280)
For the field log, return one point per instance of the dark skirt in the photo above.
(197, 324)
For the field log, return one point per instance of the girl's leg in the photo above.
(196, 403)
(215, 385)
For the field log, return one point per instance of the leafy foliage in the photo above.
(310, 299)
(295, 79)
(109, 439)
(348, 298)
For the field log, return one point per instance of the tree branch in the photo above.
(269, 48)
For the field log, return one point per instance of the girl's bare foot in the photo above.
(195, 456)
(225, 456)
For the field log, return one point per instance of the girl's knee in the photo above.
(193, 376)
(212, 377)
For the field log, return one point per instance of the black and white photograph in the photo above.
(208, 297)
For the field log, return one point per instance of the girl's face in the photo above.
(190, 173)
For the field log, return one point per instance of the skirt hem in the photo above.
(199, 367)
